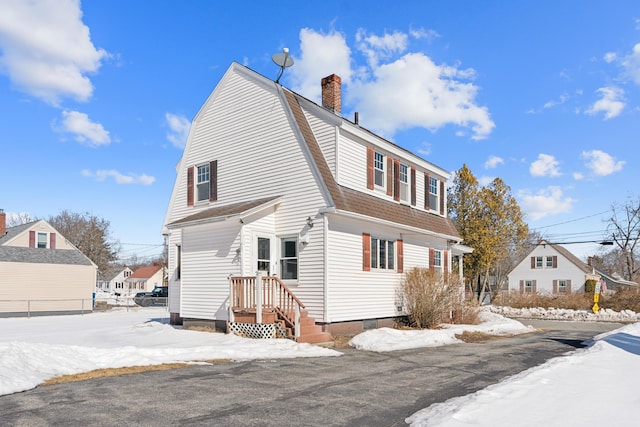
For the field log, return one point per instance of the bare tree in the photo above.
(19, 219)
(90, 234)
(624, 226)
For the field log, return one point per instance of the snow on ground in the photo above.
(594, 385)
(387, 339)
(33, 350)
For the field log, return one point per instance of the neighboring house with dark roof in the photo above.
(112, 280)
(144, 279)
(614, 282)
(550, 269)
(41, 272)
(272, 182)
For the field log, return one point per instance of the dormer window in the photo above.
(404, 183)
(433, 194)
(378, 167)
(42, 241)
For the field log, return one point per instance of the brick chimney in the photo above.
(332, 93)
(3, 223)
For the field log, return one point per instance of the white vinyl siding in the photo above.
(357, 294)
(251, 116)
(208, 251)
(544, 276)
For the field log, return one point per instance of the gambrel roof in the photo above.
(349, 200)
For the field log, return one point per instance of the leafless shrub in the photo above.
(430, 300)
(627, 298)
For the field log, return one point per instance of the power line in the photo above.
(572, 220)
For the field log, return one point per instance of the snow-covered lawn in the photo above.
(595, 385)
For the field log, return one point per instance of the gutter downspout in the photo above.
(325, 273)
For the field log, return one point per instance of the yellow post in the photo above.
(596, 298)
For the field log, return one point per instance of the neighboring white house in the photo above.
(113, 279)
(550, 269)
(144, 279)
(41, 272)
(272, 182)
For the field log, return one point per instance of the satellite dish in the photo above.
(282, 60)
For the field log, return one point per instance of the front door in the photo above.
(265, 263)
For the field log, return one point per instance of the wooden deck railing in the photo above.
(265, 293)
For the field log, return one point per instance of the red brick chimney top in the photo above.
(332, 93)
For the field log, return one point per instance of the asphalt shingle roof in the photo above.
(42, 256)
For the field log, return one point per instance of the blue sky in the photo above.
(96, 97)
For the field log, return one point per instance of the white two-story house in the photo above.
(273, 183)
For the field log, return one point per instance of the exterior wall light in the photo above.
(309, 222)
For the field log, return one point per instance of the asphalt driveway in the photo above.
(357, 389)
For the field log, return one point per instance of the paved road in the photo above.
(356, 389)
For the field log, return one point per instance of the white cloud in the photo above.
(375, 48)
(546, 165)
(85, 130)
(423, 34)
(179, 127)
(631, 64)
(391, 92)
(47, 50)
(131, 178)
(424, 149)
(415, 92)
(322, 55)
(493, 161)
(610, 57)
(546, 202)
(601, 163)
(611, 103)
(578, 176)
(561, 100)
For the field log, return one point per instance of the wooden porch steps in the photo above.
(310, 332)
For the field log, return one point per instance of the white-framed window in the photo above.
(528, 286)
(41, 240)
(203, 181)
(437, 258)
(404, 183)
(562, 286)
(383, 253)
(378, 169)
(549, 262)
(538, 262)
(433, 194)
(289, 258)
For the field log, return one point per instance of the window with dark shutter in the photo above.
(52, 240)
(389, 176)
(32, 239)
(441, 197)
(370, 168)
(413, 187)
(400, 249)
(426, 191)
(366, 252)
(190, 186)
(396, 180)
(213, 184)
